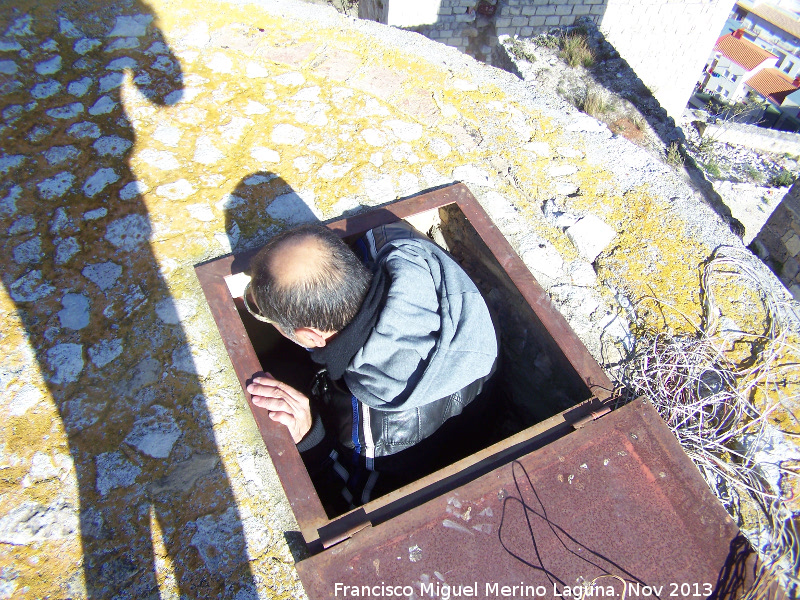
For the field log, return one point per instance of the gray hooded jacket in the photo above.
(431, 348)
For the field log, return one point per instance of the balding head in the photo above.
(308, 277)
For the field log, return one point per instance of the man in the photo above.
(404, 334)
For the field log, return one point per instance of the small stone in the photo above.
(540, 148)
(67, 28)
(42, 468)
(588, 124)
(111, 145)
(127, 43)
(25, 399)
(114, 471)
(565, 188)
(103, 106)
(120, 64)
(22, 225)
(31, 523)
(56, 186)
(545, 259)
(8, 67)
(158, 159)
(178, 190)
(93, 215)
(56, 155)
(104, 352)
(99, 181)
(75, 314)
(66, 361)
(132, 190)
(591, 236)
(374, 137)
(45, 90)
(85, 45)
(255, 71)
(220, 63)
(8, 204)
(29, 288)
(9, 162)
(65, 250)
(154, 434)
(84, 130)
(255, 108)
(568, 152)
(562, 170)
(29, 252)
(472, 175)
(49, 66)
(70, 111)
(265, 155)
(376, 159)
(131, 26)
(103, 275)
(304, 163)
(206, 153)
(288, 135)
(167, 135)
(128, 233)
(201, 212)
(380, 190)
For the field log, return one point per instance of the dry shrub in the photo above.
(575, 50)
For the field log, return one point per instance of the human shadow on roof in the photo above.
(99, 315)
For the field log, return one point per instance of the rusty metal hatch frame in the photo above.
(317, 529)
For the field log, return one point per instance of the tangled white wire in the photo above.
(706, 399)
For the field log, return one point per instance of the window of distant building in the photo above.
(734, 78)
(788, 66)
(719, 89)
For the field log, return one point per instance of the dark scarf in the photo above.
(340, 350)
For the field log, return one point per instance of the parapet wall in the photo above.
(752, 136)
(665, 41)
(778, 242)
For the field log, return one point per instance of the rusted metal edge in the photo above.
(291, 471)
(697, 539)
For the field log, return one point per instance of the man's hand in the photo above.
(285, 404)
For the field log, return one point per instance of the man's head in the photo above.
(309, 283)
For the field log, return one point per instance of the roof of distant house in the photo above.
(772, 84)
(742, 52)
(783, 20)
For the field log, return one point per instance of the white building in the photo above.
(733, 61)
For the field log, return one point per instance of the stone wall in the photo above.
(758, 138)
(665, 41)
(778, 242)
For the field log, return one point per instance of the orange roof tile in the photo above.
(772, 84)
(743, 53)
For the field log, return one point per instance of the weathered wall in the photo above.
(778, 242)
(758, 138)
(665, 41)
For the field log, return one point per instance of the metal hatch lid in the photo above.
(616, 499)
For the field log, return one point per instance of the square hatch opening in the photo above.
(546, 383)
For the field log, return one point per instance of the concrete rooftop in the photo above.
(140, 139)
